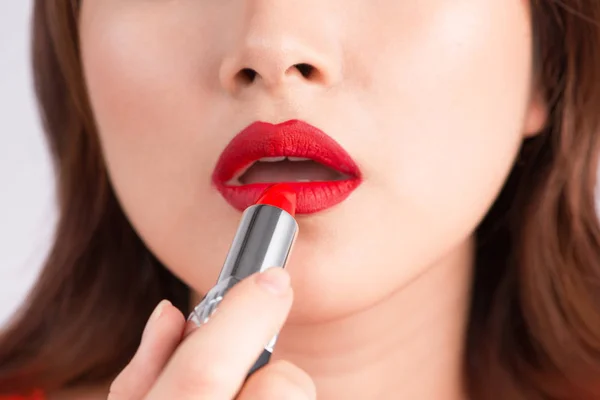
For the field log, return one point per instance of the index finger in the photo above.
(213, 361)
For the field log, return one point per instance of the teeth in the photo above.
(272, 159)
(298, 159)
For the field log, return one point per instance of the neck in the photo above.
(408, 346)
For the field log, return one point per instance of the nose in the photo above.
(277, 43)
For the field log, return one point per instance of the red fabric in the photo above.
(37, 395)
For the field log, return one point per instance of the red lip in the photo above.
(292, 138)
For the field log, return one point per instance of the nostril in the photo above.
(248, 75)
(306, 70)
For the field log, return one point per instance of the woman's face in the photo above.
(431, 99)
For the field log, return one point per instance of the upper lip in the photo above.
(293, 138)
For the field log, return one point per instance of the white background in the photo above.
(27, 209)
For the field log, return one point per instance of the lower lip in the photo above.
(312, 197)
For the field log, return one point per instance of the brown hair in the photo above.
(534, 331)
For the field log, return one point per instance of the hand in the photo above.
(176, 361)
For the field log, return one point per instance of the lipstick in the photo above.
(264, 239)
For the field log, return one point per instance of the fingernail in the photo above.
(158, 310)
(156, 314)
(276, 280)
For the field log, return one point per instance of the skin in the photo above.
(431, 98)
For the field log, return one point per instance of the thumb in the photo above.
(161, 337)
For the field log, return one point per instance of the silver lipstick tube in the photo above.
(264, 239)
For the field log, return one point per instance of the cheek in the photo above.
(141, 72)
(153, 112)
(453, 114)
